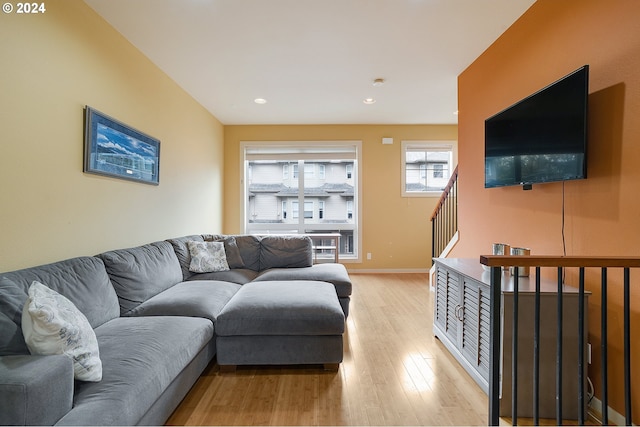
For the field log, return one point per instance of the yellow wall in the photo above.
(602, 212)
(395, 230)
(51, 66)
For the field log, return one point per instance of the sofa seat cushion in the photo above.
(239, 276)
(140, 356)
(197, 298)
(282, 308)
(139, 273)
(329, 272)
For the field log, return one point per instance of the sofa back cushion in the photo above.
(11, 338)
(181, 249)
(248, 245)
(285, 252)
(82, 280)
(142, 272)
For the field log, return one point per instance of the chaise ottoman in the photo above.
(281, 323)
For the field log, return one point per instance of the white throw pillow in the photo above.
(207, 257)
(51, 324)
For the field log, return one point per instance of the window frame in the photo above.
(306, 151)
(427, 146)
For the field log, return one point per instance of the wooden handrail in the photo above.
(445, 193)
(558, 261)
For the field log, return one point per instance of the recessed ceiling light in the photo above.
(260, 101)
(369, 101)
(378, 82)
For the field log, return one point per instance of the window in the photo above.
(426, 167)
(309, 171)
(308, 209)
(438, 170)
(303, 188)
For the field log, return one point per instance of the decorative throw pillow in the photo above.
(51, 324)
(207, 257)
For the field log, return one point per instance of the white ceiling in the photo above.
(314, 61)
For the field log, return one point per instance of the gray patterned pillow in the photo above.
(52, 324)
(207, 257)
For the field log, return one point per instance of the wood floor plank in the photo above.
(394, 372)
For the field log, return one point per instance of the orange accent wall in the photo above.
(602, 213)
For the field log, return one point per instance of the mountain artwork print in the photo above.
(115, 149)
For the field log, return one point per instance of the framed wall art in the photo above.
(114, 149)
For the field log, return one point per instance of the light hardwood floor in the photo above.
(394, 373)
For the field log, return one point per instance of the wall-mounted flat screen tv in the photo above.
(542, 138)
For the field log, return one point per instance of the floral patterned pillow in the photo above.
(52, 324)
(207, 257)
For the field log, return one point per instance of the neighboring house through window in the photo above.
(322, 177)
(426, 167)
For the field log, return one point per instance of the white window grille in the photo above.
(426, 167)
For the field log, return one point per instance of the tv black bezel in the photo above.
(527, 185)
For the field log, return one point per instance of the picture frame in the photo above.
(112, 148)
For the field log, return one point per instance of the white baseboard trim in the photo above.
(388, 270)
(595, 411)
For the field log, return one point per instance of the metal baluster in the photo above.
(603, 348)
(514, 351)
(433, 239)
(439, 219)
(494, 349)
(559, 352)
(627, 350)
(536, 353)
(581, 379)
(454, 211)
(449, 217)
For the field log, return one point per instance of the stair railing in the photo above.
(444, 219)
(560, 263)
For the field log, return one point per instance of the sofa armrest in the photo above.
(35, 390)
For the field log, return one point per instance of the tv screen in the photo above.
(542, 138)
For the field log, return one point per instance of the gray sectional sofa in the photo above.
(158, 325)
